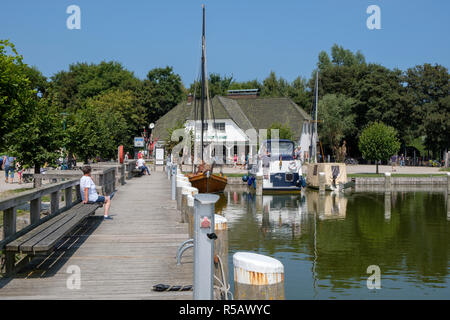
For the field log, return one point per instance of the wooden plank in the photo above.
(51, 239)
(35, 211)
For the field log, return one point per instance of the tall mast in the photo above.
(315, 123)
(203, 80)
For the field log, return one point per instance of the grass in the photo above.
(444, 169)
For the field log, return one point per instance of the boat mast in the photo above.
(315, 123)
(203, 80)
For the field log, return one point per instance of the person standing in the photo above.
(89, 192)
(8, 166)
(19, 170)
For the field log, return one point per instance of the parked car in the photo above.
(351, 161)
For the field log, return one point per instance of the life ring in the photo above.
(121, 155)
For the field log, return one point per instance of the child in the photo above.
(89, 192)
(19, 170)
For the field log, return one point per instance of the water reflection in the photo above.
(327, 242)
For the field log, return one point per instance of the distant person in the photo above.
(140, 165)
(8, 166)
(235, 158)
(402, 160)
(127, 156)
(89, 192)
(19, 170)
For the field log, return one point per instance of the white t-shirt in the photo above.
(87, 182)
(140, 163)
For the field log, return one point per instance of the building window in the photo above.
(220, 126)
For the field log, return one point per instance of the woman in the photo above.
(89, 192)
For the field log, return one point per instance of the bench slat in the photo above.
(14, 245)
(54, 229)
(50, 241)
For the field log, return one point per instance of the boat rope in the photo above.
(223, 287)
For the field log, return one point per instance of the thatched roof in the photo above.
(257, 113)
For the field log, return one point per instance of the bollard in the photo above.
(204, 237)
(387, 182)
(179, 188)
(387, 206)
(448, 208)
(221, 251)
(169, 170)
(322, 182)
(190, 215)
(259, 185)
(185, 192)
(257, 277)
(448, 182)
(174, 180)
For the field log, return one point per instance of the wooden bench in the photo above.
(137, 173)
(43, 238)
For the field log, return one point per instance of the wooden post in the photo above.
(54, 201)
(221, 250)
(9, 229)
(259, 185)
(448, 182)
(35, 210)
(387, 182)
(190, 215)
(68, 196)
(387, 206)
(257, 277)
(322, 182)
(78, 192)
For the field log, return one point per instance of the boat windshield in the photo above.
(285, 148)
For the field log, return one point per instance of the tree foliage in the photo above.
(378, 142)
(336, 113)
(284, 131)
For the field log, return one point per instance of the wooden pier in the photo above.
(118, 259)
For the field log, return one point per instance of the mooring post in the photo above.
(179, 187)
(185, 193)
(448, 182)
(257, 277)
(204, 237)
(322, 182)
(387, 205)
(221, 251)
(387, 182)
(174, 181)
(190, 215)
(259, 185)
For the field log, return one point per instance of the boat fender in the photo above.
(245, 178)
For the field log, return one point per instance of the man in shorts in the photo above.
(89, 192)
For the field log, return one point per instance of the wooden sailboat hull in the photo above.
(213, 184)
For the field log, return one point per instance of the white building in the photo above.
(235, 123)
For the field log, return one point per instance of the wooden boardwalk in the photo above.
(118, 259)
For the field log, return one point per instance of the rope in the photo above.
(225, 289)
(165, 287)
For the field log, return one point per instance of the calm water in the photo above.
(326, 244)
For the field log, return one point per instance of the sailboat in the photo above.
(204, 180)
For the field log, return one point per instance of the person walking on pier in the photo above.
(89, 192)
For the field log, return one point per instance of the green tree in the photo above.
(39, 139)
(378, 142)
(429, 87)
(160, 92)
(284, 132)
(16, 93)
(337, 119)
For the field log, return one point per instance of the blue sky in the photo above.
(246, 38)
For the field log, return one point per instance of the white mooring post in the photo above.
(204, 237)
(174, 181)
(322, 182)
(448, 182)
(257, 277)
(387, 182)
